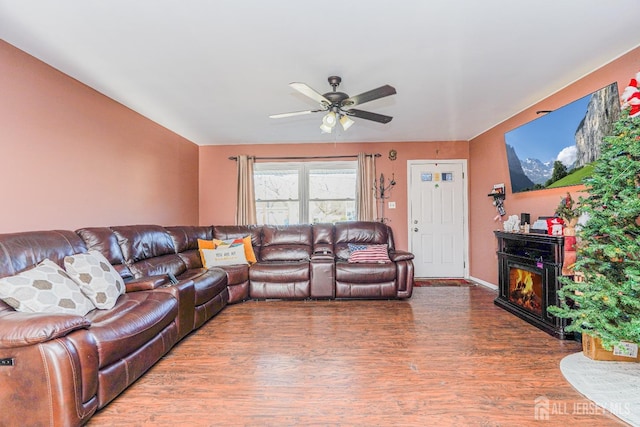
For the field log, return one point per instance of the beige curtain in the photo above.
(246, 209)
(365, 196)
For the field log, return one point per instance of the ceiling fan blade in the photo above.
(380, 92)
(304, 89)
(295, 113)
(367, 115)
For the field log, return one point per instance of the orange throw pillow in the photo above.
(205, 244)
(248, 250)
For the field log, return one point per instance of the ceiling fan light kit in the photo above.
(328, 122)
(338, 105)
(346, 122)
(329, 119)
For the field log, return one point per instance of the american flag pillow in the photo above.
(368, 253)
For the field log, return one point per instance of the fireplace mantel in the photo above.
(528, 269)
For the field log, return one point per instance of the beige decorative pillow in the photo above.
(97, 278)
(224, 255)
(45, 288)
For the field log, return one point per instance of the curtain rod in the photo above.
(307, 157)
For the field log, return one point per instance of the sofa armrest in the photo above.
(21, 329)
(396, 256)
(185, 293)
(147, 283)
(322, 281)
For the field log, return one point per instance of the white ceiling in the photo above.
(213, 71)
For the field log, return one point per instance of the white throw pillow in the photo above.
(45, 288)
(224, 255)
(97, 278)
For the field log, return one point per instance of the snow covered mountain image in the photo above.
(519, 178)
(539, 172)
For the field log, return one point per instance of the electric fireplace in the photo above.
(528, 269)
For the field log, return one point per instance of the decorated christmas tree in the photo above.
(605, 303)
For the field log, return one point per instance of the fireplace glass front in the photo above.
(525, 289)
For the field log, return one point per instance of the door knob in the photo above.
(415, 229)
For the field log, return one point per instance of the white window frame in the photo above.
(303, 169)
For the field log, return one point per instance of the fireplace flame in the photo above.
(523, 293)
(526, 279)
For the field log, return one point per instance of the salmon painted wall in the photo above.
(218, 173)
(72, 157)
(488, 165)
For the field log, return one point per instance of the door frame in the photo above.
(465, 205)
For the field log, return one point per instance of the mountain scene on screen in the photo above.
(557, 150)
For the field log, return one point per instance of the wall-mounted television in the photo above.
(557, 149)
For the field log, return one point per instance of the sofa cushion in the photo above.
(159, 265)
(237, 282)
(140, 242)
(104, 240)
(322, 238)
(365, 272)
(360, 232)
(186, 237)
(207, 283)
(136, 318)
(21, 251)
(286, 243)
(97, 278)
(236, 274)
(191, 258)
(148, 250)
(280, 272)
(290, 279)
(25, 329)
(45, 288)
(185, 240)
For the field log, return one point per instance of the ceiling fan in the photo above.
(338, 105)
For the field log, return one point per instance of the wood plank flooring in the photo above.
(446, 357)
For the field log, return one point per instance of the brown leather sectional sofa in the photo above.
(59, 369)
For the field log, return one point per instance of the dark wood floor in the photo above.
(447, 357)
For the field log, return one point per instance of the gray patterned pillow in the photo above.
(97, 278)
(45, 288)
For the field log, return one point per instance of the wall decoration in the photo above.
(382, 192)
(498, 195)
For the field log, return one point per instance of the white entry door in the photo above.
(437, 223)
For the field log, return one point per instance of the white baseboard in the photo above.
(483, 283)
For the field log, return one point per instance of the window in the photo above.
(295, 193)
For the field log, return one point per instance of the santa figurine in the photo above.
(631, 97)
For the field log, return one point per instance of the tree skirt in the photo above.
(613, 386)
